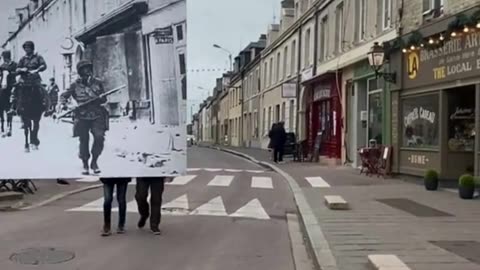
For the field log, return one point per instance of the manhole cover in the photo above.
(36, 256)
(414, 208)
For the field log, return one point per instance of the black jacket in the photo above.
(278, 136)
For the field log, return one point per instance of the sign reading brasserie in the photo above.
(458, 58)
(321, 92)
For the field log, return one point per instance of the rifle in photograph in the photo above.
(91, 101)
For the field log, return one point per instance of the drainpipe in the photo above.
(299, 80)
(242, 74)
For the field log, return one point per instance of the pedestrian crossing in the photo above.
(226, 180)
(180, 207)
(217, 181)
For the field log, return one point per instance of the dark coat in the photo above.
(278, 136)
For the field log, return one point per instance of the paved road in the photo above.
(226, 213)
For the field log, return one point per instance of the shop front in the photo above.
(323, 116)
(434, 116)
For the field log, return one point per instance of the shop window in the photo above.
(420, 122)
(461, 119)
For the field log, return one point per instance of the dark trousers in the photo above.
(32, 124)
(156, 186)
(83, 128)
(121, 199)
(277, 154)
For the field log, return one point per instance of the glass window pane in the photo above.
(461, 120)
(375, 117)
(420, 122)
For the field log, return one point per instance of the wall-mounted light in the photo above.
(453, 34)
(404, 50)
(478, 24)
(431, 41)
(412, 47)
(466, 29)
(376, 59)
(442, 37)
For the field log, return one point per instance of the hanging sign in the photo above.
(321, 92)
(163, 35)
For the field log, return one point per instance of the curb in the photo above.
(323, 256)
(19, 206)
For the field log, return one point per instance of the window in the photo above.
(283, 112)
(387, 14)
(291, 115)
(265, 72)
(461, 119)
(420, 122)
(307, 49)
(285, 62)
(324, 39)
(293, 62)
(277, 73)
(269, 118)
(257, 81)
(264, 122)
(339, 29)
(271, 72)
(277, 113)
(182, 64)
(432, 8)
(362, 20)
(304, 6)
(179, 32)
(297, 10)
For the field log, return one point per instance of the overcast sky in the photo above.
(231, 24)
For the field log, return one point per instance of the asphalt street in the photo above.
(227, 213)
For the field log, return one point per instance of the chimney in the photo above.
(273, 32)
(287, 16)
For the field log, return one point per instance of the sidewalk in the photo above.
(47, 190)
(426, 230)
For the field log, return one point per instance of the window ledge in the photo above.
(419, 149)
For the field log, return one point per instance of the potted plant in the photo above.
(466, 186)
(431, 180)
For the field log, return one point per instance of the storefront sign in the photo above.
(459, 58)
(419, 113)
(289, 90)
(163, 35)
(321, 92)
(463, 113)
(418, 159)
(307, 74)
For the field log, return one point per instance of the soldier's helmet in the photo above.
(84, 63)
(7, 54)
(29, 44)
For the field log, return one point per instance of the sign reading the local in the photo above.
(163, 35)
(458, 58)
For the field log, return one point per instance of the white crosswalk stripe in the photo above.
(262, 182)
(252, 209)
(214, 207)
(221, 180)
(317, 182)
(182, 180)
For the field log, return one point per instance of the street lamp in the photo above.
(227, 51)
(376, 59)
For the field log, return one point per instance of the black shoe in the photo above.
(85, 170)
(141, 222)
(27, 149)
(62, 182)
(95, 168)
(156, 231)
(106, 231)
(120, 230)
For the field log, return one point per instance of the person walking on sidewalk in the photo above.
(108, 188)
(7, 73)
(52, 91)
(156, 186)
(278, 137)
(270, 135)
(92, 118)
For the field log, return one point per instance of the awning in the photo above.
(111, 23)
(320, 77)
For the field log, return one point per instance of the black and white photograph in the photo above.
(93, 88)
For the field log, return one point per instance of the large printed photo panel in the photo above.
(102, 95)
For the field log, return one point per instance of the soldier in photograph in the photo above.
(29, 97)
(90, 118)
(7, 73)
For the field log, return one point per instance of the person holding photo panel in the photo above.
(156, 186)
(108, 188)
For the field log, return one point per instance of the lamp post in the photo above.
(376, 59)
(227, 51)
